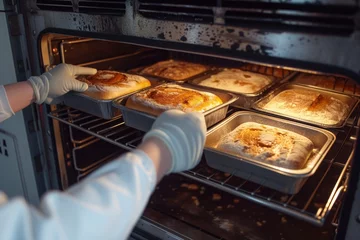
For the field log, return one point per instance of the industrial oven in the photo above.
(276, 38)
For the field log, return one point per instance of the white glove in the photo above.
(184, 135)
(58, 81)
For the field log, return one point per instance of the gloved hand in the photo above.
(58, 81)
(184, 135)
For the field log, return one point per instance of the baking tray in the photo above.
(98, 107)
(143, 121)
(344, 83)
(278, 178)
(139, 69)
(245, 100)
(350, 100)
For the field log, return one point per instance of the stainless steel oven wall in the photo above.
(330, 50)
(20, 157)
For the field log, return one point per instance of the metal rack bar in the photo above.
(62, 116)
(127, 138)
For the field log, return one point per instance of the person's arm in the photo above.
(48, 88)
(20, 95)
(108, 203)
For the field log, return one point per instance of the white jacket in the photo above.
(105, 205)
(5, 109)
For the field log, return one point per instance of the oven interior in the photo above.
(216, 203)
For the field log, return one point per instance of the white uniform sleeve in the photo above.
(106, 205)
(5, 109)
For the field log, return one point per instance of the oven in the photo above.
(267, 37)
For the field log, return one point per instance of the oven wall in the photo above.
(333, 53)
(17, 135)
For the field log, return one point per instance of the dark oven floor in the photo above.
(227, 217)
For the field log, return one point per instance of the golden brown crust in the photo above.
(174, 70)
(171, 96)
(309, 105)
(268, 144)
(237, 80)
(350, 87)
(112, 84)
(322, 81)
(339, 84)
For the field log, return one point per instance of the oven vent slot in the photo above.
(186, 10)
(102, 7)
(57, 5)
(291, 17)
(299, 17)
(99, 7)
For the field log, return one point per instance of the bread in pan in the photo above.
(172, 96)
(268, 144)
(237, 80)
(309, 105)
(111, 84)
(174, 70)
(322, 81)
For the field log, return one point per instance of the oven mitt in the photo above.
(58, 81)
(184, 134)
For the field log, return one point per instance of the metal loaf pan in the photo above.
(282, 179)
(143, 121)
(139, 69)
(350, 100)
(98, 107)
(245, 100)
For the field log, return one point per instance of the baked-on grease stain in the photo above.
(183, 38)
(235, 46)
(216, 44)
(161, 36)
(249, 48)
(265, 50)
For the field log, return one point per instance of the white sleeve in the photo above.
(5, 109)
(106, 205)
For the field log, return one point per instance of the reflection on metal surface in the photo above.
(310, 204)
(340, 51)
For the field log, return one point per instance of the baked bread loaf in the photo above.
(322, 81)
(111, 84)
(271, 71)
(174, 70)
(237, 80)
(268, 144)
(309, 105)
(172, 96)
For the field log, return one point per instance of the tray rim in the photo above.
(321, 88)
(300, 173)
(340, 124)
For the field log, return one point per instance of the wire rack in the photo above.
(312, 203)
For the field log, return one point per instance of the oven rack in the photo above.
(303, 205)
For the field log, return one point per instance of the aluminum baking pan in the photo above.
(278, 178)
(143, 121)
(350, 100)
(245, 100)
(139, 70)
(333, 88)
(98, 107)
